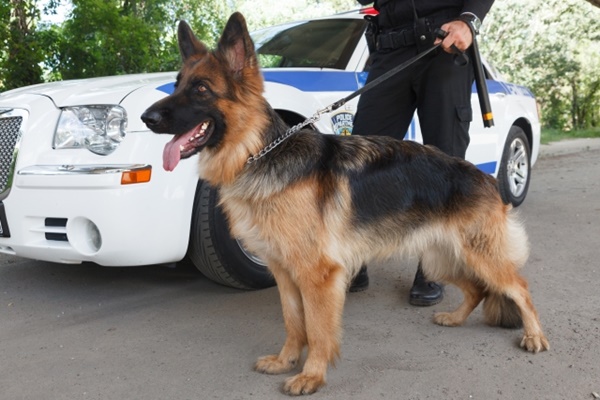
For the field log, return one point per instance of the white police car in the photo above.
(81, 177)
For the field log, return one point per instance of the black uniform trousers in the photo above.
(436, 86)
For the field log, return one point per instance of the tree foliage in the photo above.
(21, 57)
(109, 37)
(271, 12)
(553, 47)
(98, 37)
(103, 37)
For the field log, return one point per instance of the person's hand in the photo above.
(459, 34)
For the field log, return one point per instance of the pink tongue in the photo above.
(171, 153)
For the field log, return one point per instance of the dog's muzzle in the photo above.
(152, 119)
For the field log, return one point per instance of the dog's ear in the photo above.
(236, 46)
(189, 45)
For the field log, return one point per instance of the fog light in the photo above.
(84, 236)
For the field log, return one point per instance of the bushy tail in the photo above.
(500, 310)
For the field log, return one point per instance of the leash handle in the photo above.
(460, 58)
(480, 82)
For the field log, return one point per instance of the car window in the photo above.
(326, 43)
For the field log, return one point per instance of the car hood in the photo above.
(104, 90)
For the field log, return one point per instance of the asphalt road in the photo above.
(88, 332)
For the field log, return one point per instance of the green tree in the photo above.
(553, 47)
(21, 55)
(111, 37)
(107, 37)
(271, 12)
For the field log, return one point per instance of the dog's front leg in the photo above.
(293, 316)
(323, 291)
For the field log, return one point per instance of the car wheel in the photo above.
(215, 253)
(515, 167)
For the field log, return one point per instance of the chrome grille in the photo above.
(10, 132)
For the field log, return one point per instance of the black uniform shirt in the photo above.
(397, 13)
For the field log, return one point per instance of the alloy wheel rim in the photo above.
(518, 167)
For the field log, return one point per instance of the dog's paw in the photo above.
(446, 319)
(273, 365)
(535, 343)
(303, 384)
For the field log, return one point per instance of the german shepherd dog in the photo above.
(317, 207)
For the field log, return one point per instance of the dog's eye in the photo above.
(202, 88)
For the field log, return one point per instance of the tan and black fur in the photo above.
(319, 206)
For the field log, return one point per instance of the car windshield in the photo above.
(326, 43)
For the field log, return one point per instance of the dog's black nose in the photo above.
(151, 118)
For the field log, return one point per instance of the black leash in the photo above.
(334, 106)
(382, 78)
(341, 102)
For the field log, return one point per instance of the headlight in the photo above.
(100, 129)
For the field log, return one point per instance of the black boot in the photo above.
(423, 292)
(360, 281)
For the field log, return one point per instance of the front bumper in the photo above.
(84, 215)
(71, 206)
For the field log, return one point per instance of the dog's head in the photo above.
(210, 90)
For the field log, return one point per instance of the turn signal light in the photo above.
(136, 176)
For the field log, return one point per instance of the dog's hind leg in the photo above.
(534, 339)
(472, 296)
(293, 316)
(506, 288)
(441, 265)
(323, 290)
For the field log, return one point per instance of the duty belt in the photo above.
(396, 39)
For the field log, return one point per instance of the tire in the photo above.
(215, 253)
(515, 167)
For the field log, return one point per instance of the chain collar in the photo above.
(265, 150)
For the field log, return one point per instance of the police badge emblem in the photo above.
(342, 123)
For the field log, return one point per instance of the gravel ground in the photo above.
(88, 332)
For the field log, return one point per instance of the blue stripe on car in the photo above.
(317, 81)
(344, 81)
(488, 167)
(168, 88)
